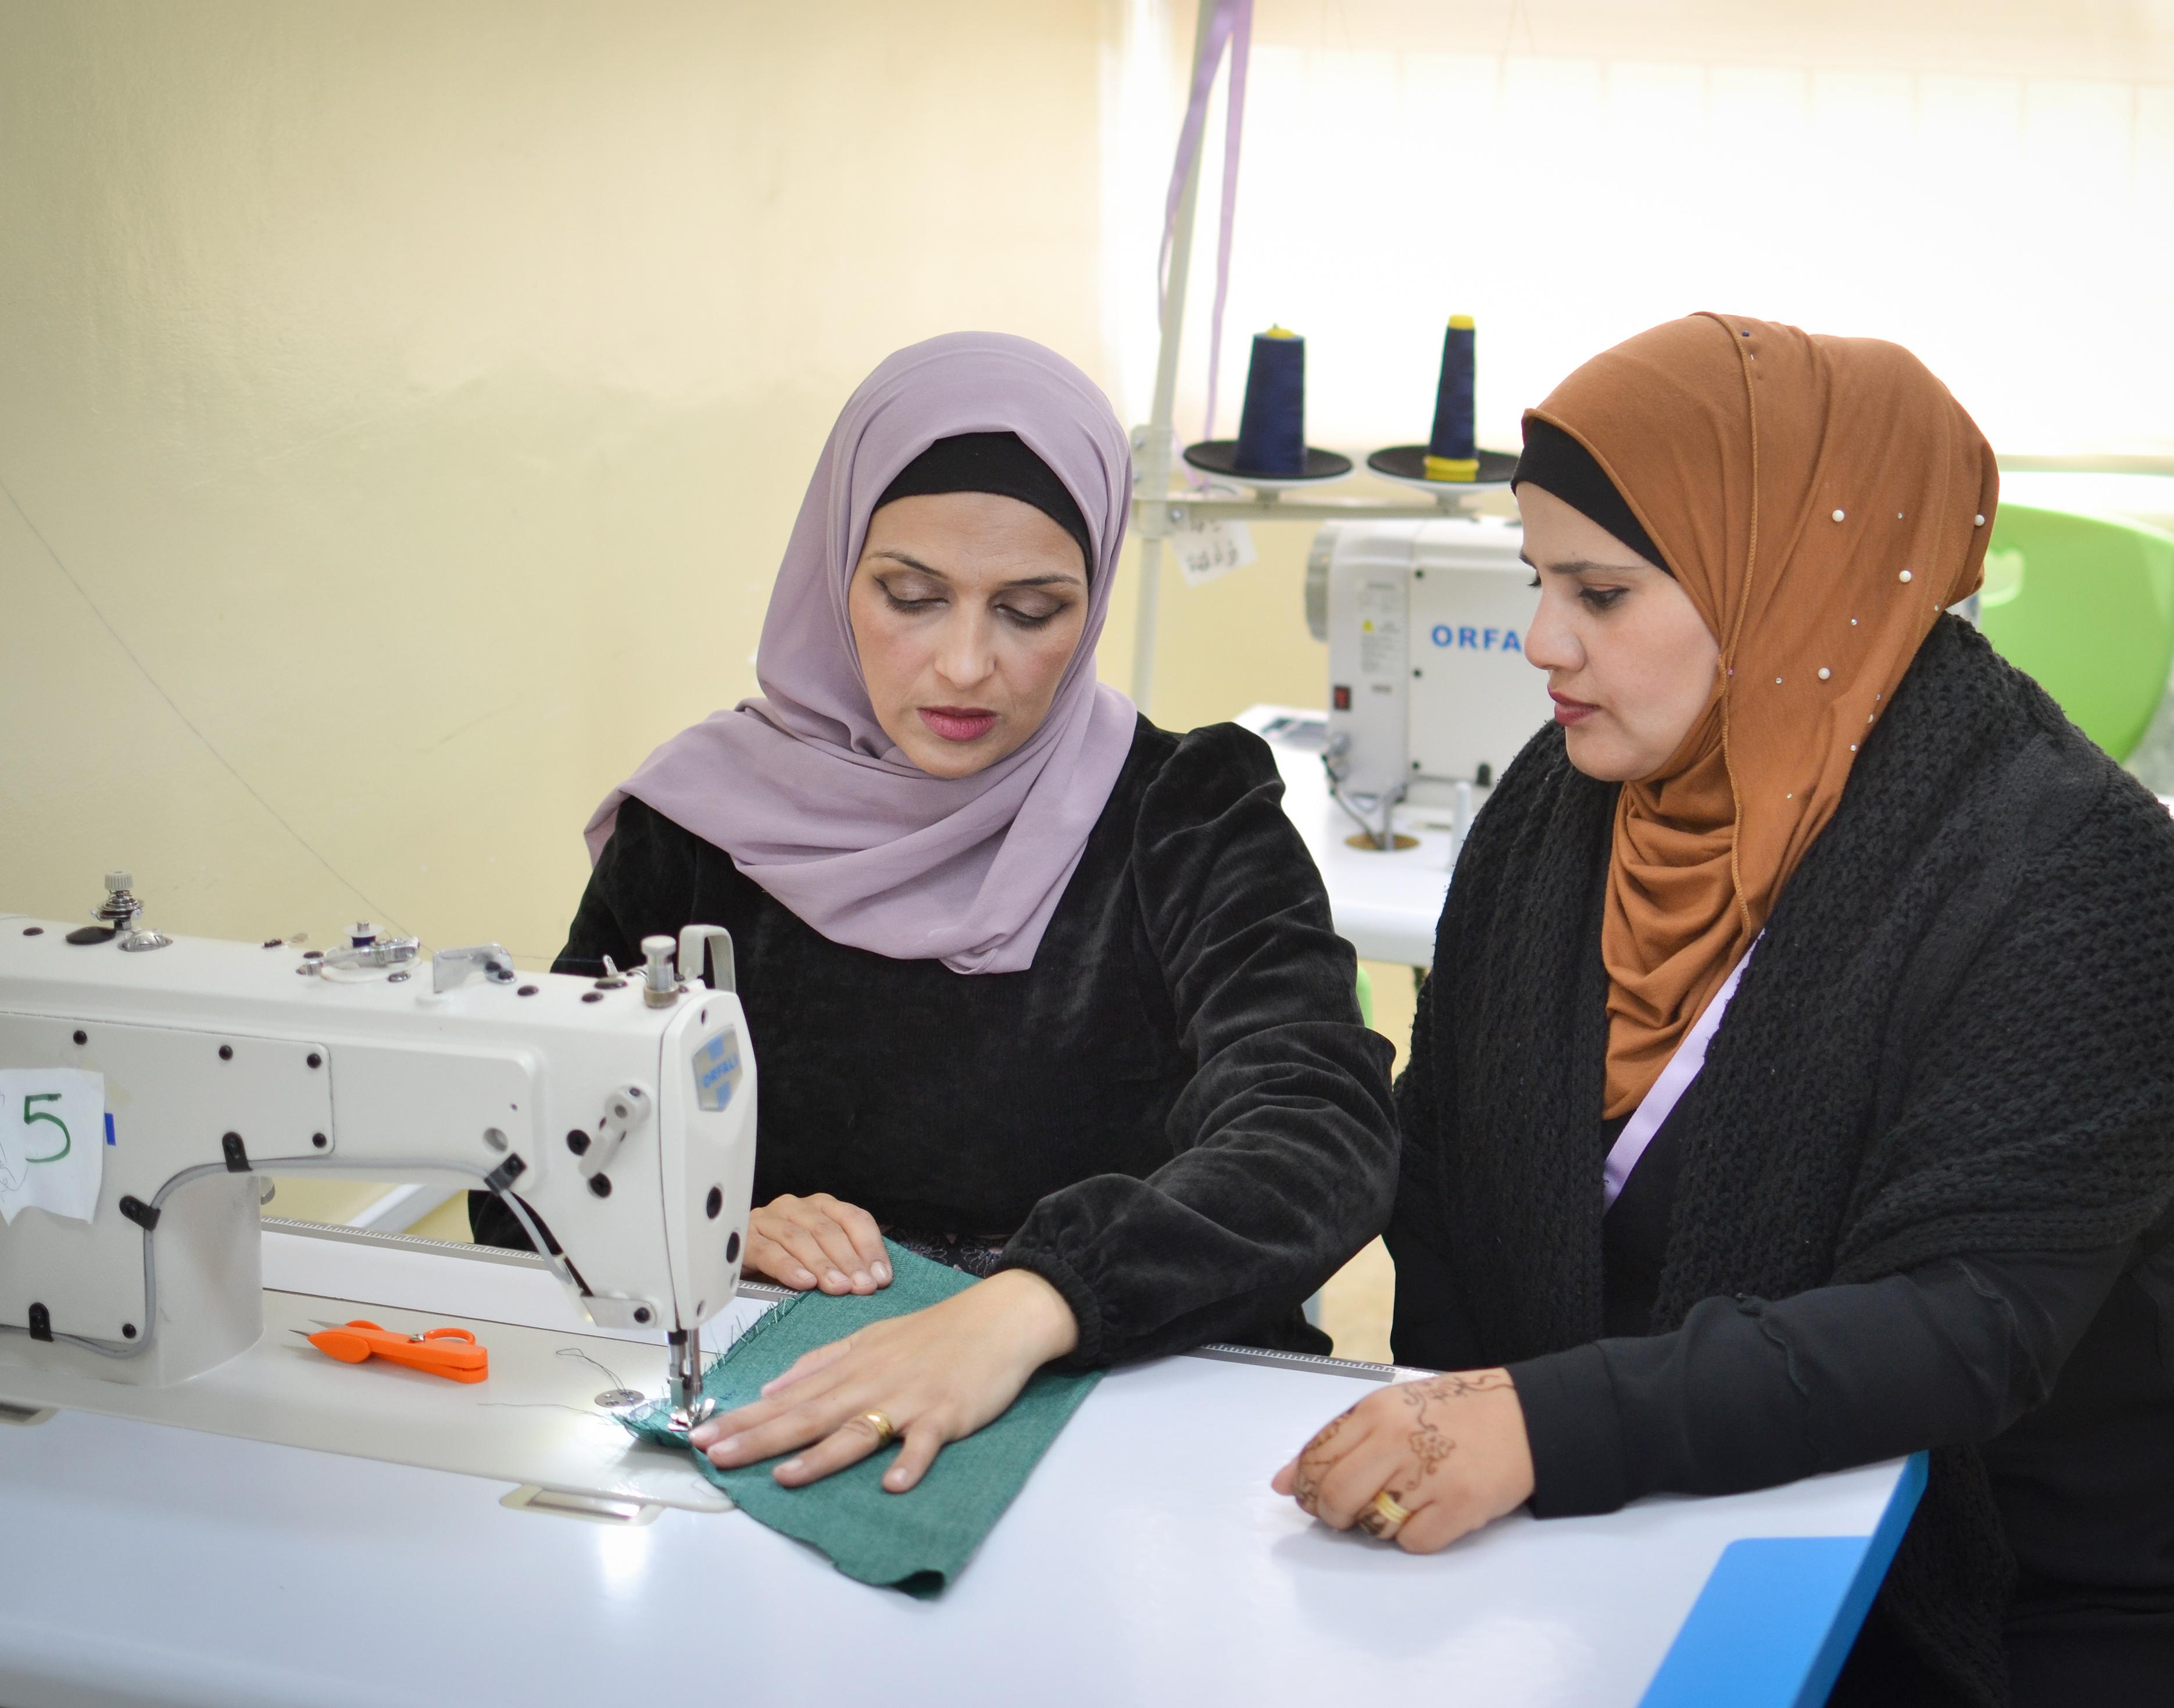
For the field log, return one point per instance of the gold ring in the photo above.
(886, 1431)
(1384, 1516)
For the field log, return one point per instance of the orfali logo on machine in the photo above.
(1466, 637)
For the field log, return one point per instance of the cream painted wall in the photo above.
(402, 406)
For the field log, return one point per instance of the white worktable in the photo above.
(1145, 1561)
(1385, 902)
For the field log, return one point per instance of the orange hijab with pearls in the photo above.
(1821, 500)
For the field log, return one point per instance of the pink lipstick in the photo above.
(959, 723)
(1569, 711)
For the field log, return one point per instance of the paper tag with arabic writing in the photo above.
(1209, 550)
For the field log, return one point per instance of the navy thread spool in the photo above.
(1272, 424)
(1452, 451)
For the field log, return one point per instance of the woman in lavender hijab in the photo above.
(1038, 989)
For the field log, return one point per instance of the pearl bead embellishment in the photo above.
(1977, 521)
(1825, 672)
(1837, 515)
(1905, 575)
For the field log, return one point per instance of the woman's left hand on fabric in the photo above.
(936, 1376)
(1452, 1451)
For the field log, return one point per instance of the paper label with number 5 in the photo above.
(52, 1141)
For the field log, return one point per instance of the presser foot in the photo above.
(687, 1417)
(683, 1379)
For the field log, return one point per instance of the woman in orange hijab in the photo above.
(1794, 1088)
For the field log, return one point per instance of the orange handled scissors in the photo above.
(451, 1353)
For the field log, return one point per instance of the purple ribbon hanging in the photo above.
(1231, 26)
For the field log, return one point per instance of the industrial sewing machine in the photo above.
(620, 1109)
(1429, 693)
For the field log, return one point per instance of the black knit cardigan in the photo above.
(1956, 1036)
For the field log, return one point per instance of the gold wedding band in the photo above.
(1384, 1517)
(886, 1431)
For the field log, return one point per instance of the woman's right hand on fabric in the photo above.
(817, 1241)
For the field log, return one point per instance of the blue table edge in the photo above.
(1776, 1618)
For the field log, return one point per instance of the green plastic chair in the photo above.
(2086, 605)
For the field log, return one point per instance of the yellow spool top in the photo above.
(1279, 333)
(1460, 323)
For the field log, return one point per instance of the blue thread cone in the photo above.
(1451, 440)
(1272, 425)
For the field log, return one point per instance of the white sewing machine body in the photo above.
(626, 1120)
(1429, 686)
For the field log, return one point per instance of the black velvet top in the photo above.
(1176, 1116)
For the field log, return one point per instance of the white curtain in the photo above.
(1989, 184)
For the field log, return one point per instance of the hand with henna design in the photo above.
(1305, 1486)
(1451, 1450)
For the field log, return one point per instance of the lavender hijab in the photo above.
(801, 787)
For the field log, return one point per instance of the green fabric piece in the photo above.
(918, 1541)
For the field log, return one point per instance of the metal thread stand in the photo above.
(1157, 510)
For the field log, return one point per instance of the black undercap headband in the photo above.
(997, 463)
(1555, 463)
